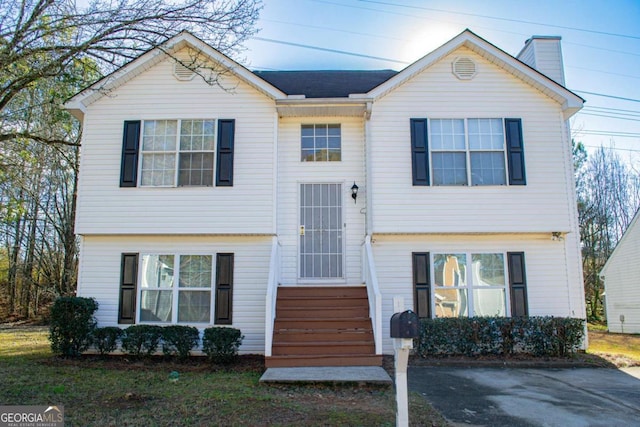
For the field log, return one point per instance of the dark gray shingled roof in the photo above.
(326, 84)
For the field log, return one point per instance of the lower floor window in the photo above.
(176, 288)
(469, 284)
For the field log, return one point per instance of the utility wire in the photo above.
(606, 96)
(323, 49)
(612, 148)
(606, 33)
(609, 116)
(608, 133)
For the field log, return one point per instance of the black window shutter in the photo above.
(130, 147)
(224, 289)
(421, 285)
(515, 151)
(517, 284)
(128, 281)
(419, 152)
(224, 165)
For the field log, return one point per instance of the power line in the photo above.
(594, 107)
(608, 133)
(319, 27)
(323, 49)
(609, 116)
(601, 48)
(503, 19)
(607, 96)
(603, 72)
(611, 148)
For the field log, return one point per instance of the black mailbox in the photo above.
(404, 325)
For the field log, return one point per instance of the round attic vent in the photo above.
(464, 68)
(182, 72)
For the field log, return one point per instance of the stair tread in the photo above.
(323, 343)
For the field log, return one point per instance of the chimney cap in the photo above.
(534, 37)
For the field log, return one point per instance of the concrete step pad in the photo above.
(328, 374)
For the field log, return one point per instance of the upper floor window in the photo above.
(170, 153)
(468, 152)
(321, 143)
(473, 152)
(177, 152)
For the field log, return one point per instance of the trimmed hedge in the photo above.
(179, 340)
(106, 339)
(141, 340)
(221, 344)
(72, 325)
(476, 336)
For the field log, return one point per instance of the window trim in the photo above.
(467, 152)
(470, 287)
(175, 289)
(177, 151)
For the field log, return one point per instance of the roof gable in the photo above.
(569, 101)
(627, 235)
(79, 102)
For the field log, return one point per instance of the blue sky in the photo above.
(600, 43)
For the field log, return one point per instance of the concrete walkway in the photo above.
(330, 374)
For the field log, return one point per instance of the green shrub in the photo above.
(178, 340)
(141, 340)
(221, 344)
(539, 336)
(106, 339)
(72, 323)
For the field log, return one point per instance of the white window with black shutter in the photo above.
(467, 152)
(177, 153)
(469, 284)
(174, 288)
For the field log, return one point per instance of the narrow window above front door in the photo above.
(321, 143)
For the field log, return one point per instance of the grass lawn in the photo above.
(117, 392)
(622, 349)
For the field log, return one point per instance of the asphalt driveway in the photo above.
(531, 397)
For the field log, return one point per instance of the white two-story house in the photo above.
(296, 205)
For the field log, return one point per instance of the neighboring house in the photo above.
(621, 276)
(235, 204)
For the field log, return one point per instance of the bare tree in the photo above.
(49, 50)
(608, 192)
(41, 39)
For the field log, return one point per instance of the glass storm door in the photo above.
(321, 253)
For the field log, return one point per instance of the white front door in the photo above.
(321, 232)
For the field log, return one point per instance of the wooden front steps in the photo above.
(323, 326)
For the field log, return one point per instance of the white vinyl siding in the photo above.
(247, 207)
(544, 204)
(100, 266)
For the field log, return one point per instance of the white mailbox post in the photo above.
(404, 327)
(402, 347)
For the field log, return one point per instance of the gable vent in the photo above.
(464, 68)
(182, 73)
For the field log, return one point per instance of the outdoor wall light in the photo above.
(556, 236)
(354, 192)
